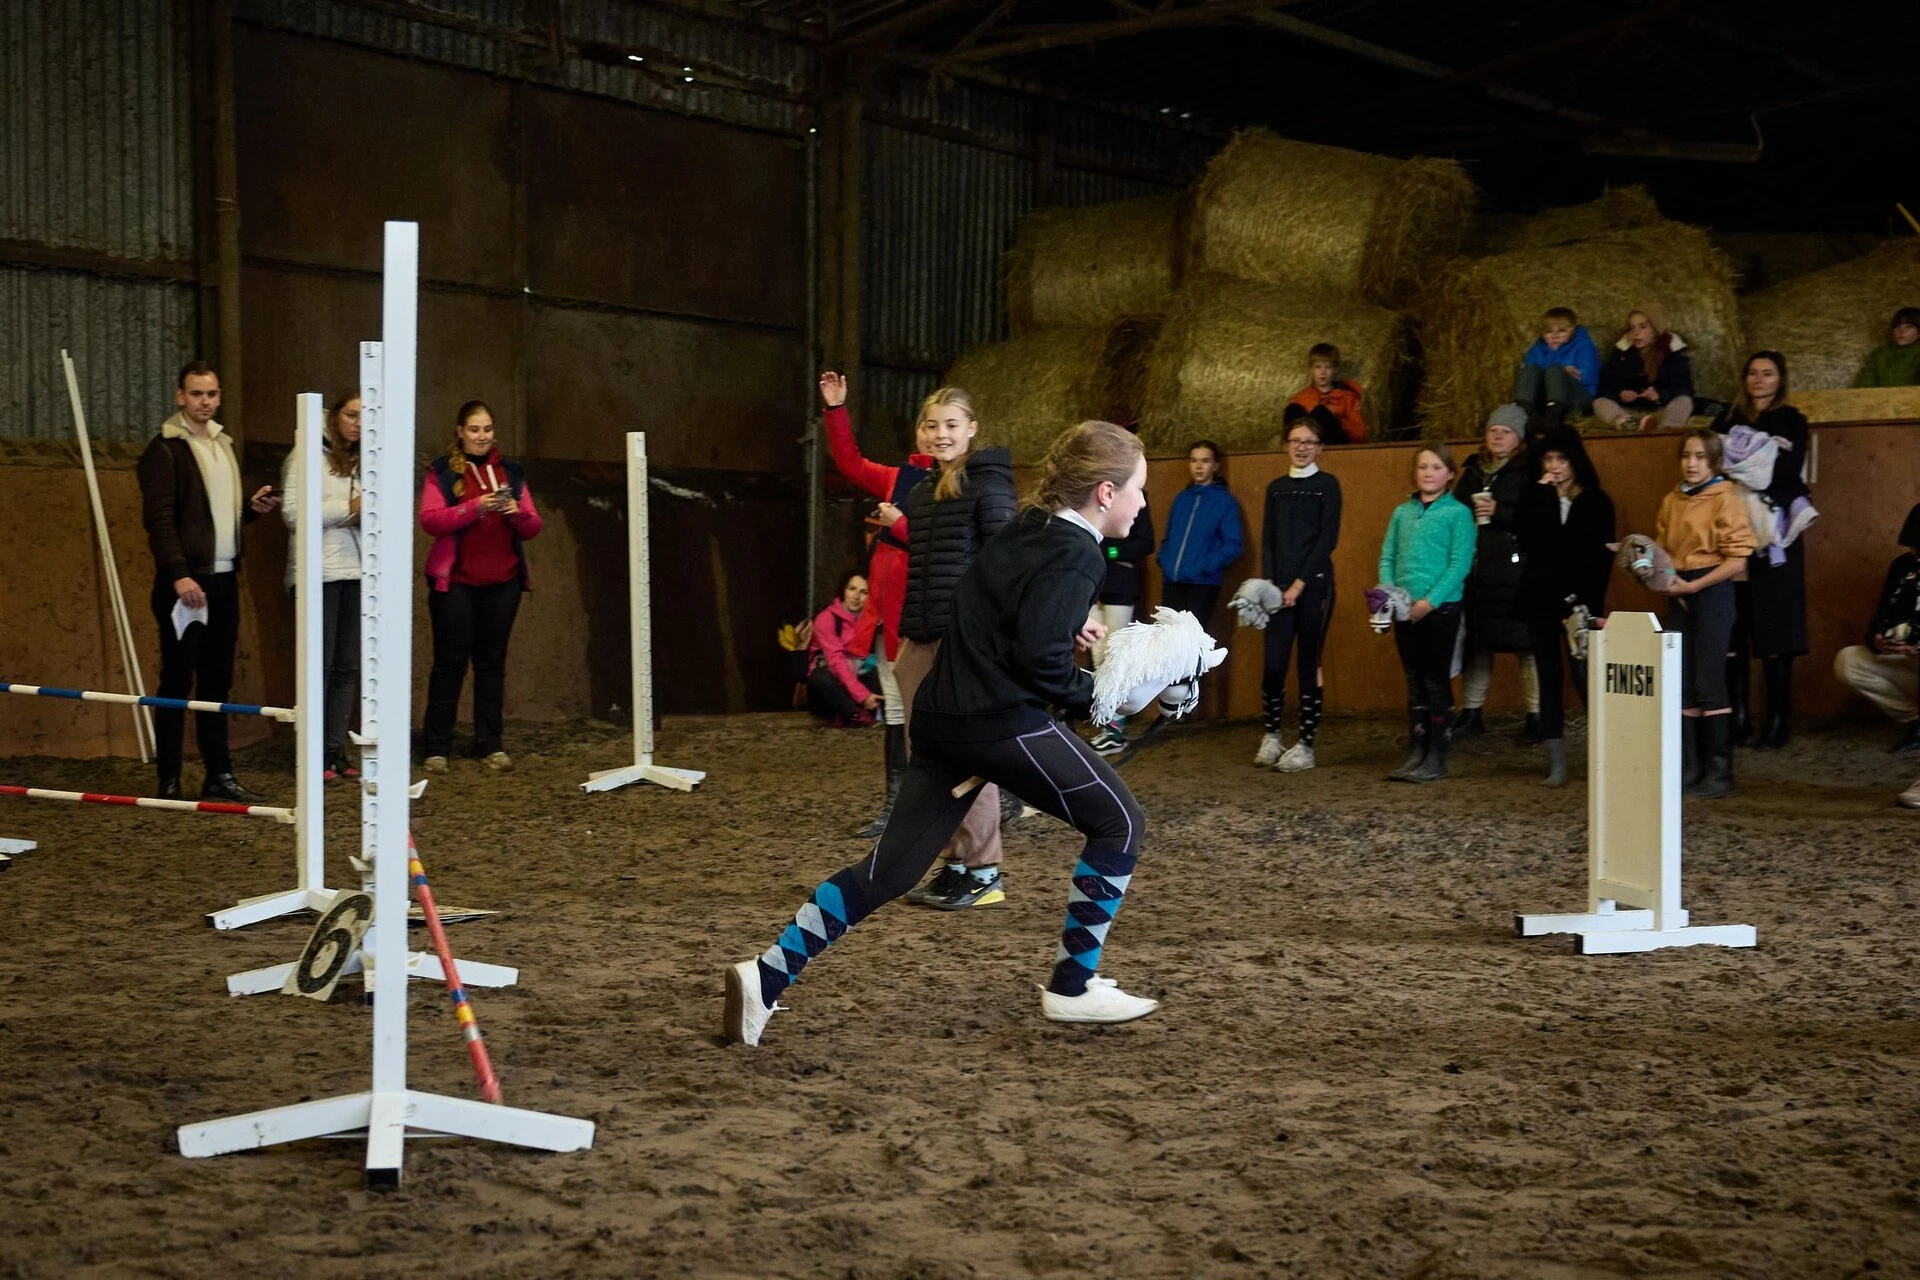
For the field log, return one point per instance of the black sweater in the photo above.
(1124, 557)
(1563, 558)
(1302, 529)
(944, 536)
(1008, 653)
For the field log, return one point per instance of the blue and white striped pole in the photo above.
(286, 715)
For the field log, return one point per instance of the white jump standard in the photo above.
(388, 1110)
(640, 634)
(1633, 801)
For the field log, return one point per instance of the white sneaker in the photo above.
(1910, 798)
(1299, 759)
(436, 764)
(1271, 747)
(747, 1013)
(1103, 1001)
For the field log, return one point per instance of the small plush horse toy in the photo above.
(1163, 659)
(1256, 601)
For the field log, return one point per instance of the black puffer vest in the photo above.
(944, 537)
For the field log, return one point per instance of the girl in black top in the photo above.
(982, 714)
(1772, 602)
(1296, 554)
(1564, 525)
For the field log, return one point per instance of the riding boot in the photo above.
(1416, 745)
(896, 765)
(1439, 739)
(1739, 697)
(1556, 762)
(1716, 749)
(1471, 724)
(1690, 764)
(1778, 671)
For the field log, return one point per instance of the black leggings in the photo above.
(1197, 598)
(1306, 622)
(1705, 623)
(1426, 655)
(1549, 648)
(470, 624)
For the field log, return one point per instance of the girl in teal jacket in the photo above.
(1427, 554)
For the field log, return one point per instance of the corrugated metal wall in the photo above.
(96, 213)
(946, 178)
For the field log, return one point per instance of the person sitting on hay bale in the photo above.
(1203, 536)
(1427, 553)
(1898, 363)
(1649, 375)
(1560, 373)
(1332, 402)
(842, 689)
(1887, 667)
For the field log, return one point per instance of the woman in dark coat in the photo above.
(1564, 526)
(1491, 485)
(1772, 602)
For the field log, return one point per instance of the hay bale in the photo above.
(1330, 222)
(1481, 314)
(1826, 323)
(1079, 268)
(1029, 389)
(1621, 209)
(1232, 352)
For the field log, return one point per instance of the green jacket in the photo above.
(1891, 366)
(1429, 549)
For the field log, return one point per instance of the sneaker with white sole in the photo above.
(1272, 747)
(1298, 759)
(747, 1013)
(1110, 740)
(1910, 798)
(1103, 1001)
(436, 764)
(500, 762)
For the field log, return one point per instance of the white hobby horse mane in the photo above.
(1256, 601)
(1142, 659)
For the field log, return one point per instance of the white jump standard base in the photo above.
(387, 1111)
(420, 964)
(640, 638)
(8, 848)
(1633, 802)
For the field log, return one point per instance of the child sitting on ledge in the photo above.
(1332, 403)
(1560, 373)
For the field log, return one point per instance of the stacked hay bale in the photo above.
(1481, 314)
(1028, 389)
(1290, 244)
(1233, 351)
(1621, 209)
(1826, 322)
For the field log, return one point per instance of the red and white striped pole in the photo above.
(462, 1007)
(149, 802)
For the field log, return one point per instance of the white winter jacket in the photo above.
(339, 540)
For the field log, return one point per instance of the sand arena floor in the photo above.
(1358, 1070)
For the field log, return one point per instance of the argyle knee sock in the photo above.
(1099, 883)
(1273, 702)
(832, 909)
(1311, 702)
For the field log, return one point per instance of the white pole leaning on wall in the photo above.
(388, 1109)
(640, 638)
(116, 598)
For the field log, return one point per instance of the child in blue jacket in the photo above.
(1560, 374)
(1427, 554)
(1203, 537)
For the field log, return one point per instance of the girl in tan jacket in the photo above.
(1703, 526)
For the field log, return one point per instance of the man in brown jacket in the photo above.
(192, 506)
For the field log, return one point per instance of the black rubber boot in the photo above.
(896, 765)
(1470, 725)
(1690, 764)
(1439, 739)
(1716, 750)
(1530, 730)
(1556, 762)
(169, 789)
(1416, 745)
(1739, 697)
(1778, 672)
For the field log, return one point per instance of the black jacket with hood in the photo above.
(943, 537)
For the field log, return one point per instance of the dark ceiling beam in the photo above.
(1760, 49)
(1204, 14)
(980, 28)
(1050, 93)
(880, 34)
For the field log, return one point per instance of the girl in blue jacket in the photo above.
(1427, 554)
(1203, 536)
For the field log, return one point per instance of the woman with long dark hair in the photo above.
(339, 573)
(983, 714)
(1772, 602)
(1564, 526)
(479, 511)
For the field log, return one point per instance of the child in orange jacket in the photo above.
(1333, 404)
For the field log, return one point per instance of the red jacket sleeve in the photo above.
(438, 519)
(526, 522)
(871, 476)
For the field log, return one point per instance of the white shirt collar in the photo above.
(1074, 517)
(1301, 473)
